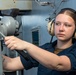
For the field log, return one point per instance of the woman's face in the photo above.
(64, 27)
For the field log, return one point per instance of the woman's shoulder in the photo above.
(49, 45)
(74, 40)
(45, 45)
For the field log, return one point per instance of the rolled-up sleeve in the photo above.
(32, 62)
(28, 63)
(72, 57)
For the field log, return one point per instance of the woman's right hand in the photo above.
(13, 42)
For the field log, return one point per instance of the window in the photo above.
(35, 37)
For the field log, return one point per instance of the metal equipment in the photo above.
(9, 26)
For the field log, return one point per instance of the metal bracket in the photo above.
(1, 65)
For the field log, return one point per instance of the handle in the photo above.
(23, 54)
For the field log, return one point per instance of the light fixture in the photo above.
(44, 3)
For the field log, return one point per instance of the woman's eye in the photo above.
(57, 23)
(67, 25)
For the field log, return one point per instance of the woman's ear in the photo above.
(74, 34)
(50, 27)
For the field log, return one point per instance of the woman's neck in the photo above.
(64, 44)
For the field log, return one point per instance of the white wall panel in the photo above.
(21, 4)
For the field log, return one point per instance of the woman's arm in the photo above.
(12, 64)
(44, 57)
(48, 59)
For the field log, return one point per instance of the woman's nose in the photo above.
(61, 27)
